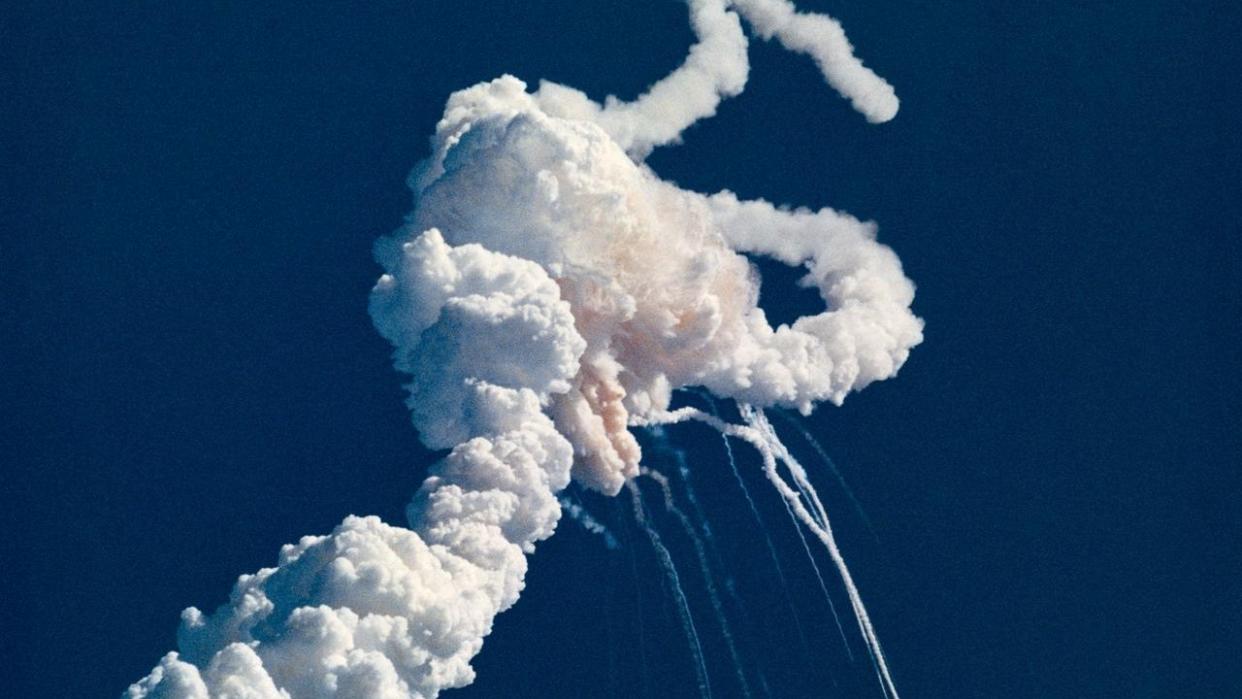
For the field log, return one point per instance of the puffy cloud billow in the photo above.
(547, 291)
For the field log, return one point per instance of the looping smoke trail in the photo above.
(679, 593)
(547, 291)
(758, 432)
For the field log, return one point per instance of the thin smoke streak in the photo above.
(701, 519)
(769, 447)
(810, 557)
(705, 569)
(638, 593)
(832, 468)
(767, 537)
(578, 512)
(776, 450)
(773, 446)
(832, 607)
(679, 593)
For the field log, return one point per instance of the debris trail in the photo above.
(679, 593)
(810, 557)
(832, 607)
(767, 537)
(771, 449)
(705, 568)
(679, 456)
(638, 593)
(701, 522)
(756, 418)
(832, 468)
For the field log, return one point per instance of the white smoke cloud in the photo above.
(654, 274)
(442, 301)
(373, 610)
(549, 290)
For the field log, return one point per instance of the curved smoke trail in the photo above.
(548, 291)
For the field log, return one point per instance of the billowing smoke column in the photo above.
(547, 292)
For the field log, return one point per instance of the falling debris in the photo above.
(758, 431)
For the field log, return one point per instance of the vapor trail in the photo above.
(705, 568)
(810, 557)
(767, 538)
(679, 594)
(832, 607)
(832, 468)
(763, 441)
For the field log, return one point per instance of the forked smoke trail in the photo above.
(819, 577)
(679, 593)
(832, 607)
(547, 290)
(758, 433)
(806, 496)
(775, 449)
(832, 468)
(757, 418)
(767, 537)
(706, 571)
(717, 68)
(767, 540)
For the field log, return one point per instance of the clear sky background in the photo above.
(190, 378)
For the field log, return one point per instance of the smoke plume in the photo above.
(548, 291)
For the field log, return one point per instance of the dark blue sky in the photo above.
(190, 378)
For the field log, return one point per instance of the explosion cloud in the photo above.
(547, 292)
